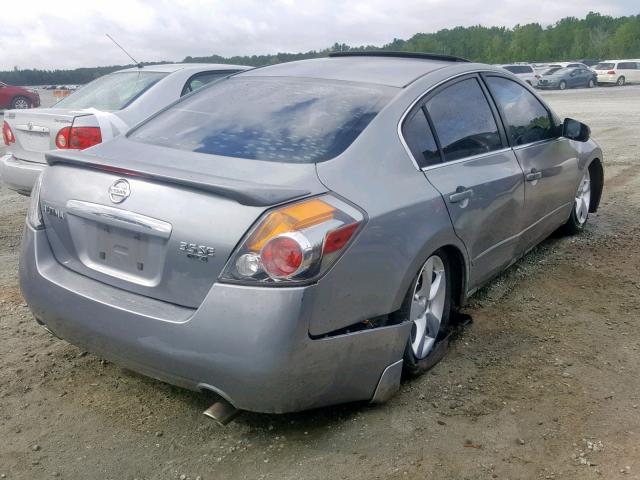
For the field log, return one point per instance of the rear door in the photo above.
(455, 137)
(549, 161)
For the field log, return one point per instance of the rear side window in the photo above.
(201, 79)
(527, 119)
(463, 120)
(289, 120)
(628, 66)
(419, 138)
(605, 66)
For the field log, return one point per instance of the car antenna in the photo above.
(138, 64)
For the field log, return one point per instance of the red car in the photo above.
(17, 97)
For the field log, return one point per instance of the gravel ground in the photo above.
(543, 384)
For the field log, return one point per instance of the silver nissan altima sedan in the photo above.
(297, 235)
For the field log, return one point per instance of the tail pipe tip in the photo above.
(222, 412)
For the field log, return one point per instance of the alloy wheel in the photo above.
(21, 103)
(583, 198)
(427, 306)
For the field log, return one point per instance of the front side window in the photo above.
(419, 138)
(464, 123)
(289, 120)
(526, 117)
(112, 92)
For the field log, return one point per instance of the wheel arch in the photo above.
(460, 270)
(596, 172)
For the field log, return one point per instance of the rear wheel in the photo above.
(591, 83)
(427, 306)
(20, 102)
(621, 81)
(581, 205)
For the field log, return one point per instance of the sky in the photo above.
(69, 34)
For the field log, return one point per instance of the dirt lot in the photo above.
(543, 384)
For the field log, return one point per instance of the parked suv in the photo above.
(525, 72)
(618, 72)
(18, 97)
(297, 235)
(105, 108)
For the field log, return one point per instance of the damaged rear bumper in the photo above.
(248, 344)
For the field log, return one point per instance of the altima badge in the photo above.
(119, 191)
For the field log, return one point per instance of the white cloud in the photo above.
(71, 34)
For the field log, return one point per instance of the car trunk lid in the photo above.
(168, 231)
(35, 130)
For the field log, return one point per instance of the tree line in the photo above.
(594, 37)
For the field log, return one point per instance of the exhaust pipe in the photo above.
(222, 412)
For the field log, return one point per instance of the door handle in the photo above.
(533, 175)
(461, 195)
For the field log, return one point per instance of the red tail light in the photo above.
(611, 72)
(7, 134)
(337, 239)
(282, 256)
(78, 138)
(295, 243)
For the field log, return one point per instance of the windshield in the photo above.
(281, 120)
(111, 92)
(604, 66)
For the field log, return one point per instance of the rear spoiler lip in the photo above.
(245, 193)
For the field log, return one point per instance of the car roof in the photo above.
(391, 70)
(174, 67)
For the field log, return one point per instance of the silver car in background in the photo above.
(297, 235)
(99, 111)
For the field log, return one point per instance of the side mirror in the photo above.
(575, 130)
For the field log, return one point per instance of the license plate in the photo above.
(34, 141)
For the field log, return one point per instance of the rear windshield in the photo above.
(274, 119)
(519, 68)
(111, 92)
(605, 66)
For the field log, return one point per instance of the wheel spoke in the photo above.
(436, 285)
(426, 278)
(433, 325)
(579, 207)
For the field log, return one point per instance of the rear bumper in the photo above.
(19, 175)
(608, 78)
(250, 345)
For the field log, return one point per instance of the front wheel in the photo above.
(428, 306)
(563, 85)
(581, 205)
(20, 102)
(621, 81)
